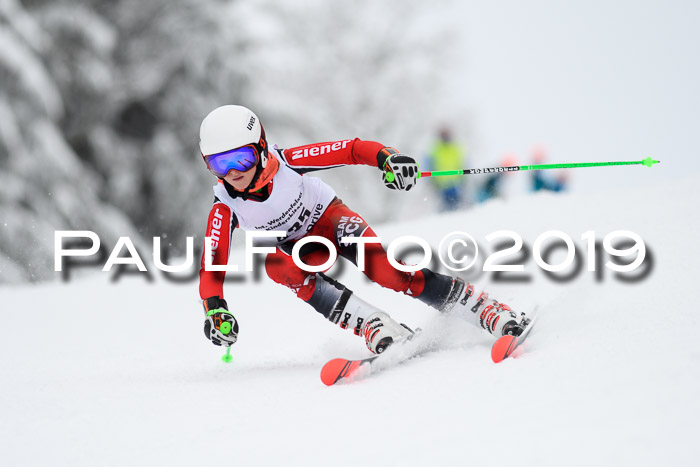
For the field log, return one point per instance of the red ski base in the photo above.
(340, 368)
(506, 345)
(503, 348)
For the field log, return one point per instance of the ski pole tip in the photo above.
(227, 357)
(649, 162)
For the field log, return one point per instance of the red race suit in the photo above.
(300, 206)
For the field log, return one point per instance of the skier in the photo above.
(264, 188)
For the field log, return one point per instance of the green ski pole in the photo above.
(516, 168)
(227, 357)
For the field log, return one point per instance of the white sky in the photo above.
(593, 81)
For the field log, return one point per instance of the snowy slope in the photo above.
(100, 374)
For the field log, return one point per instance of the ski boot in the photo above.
(500, 320)
(341, 306)
(381, 331)
(495, 317)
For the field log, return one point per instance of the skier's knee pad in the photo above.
(339, 305)
(440, 291)
(329, 296)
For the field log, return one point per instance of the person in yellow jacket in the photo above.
(447, 155)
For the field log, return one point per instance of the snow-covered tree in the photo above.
(44, 185)
(101, 102)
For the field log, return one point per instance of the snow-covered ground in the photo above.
(95, 373)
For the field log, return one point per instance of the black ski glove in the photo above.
(400, 172)
(220, 327)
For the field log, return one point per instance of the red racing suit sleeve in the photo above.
(220, 226)
(319, 156)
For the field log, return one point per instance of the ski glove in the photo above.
(400, 172)
(220, 327)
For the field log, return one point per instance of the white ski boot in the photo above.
(495, 317)
(381, 331)
(498, 319)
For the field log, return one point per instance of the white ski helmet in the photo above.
(229, 127)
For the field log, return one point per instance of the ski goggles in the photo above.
(241, 159)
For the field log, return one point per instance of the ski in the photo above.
(506, 345)
(339, 368)
(343, 370)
